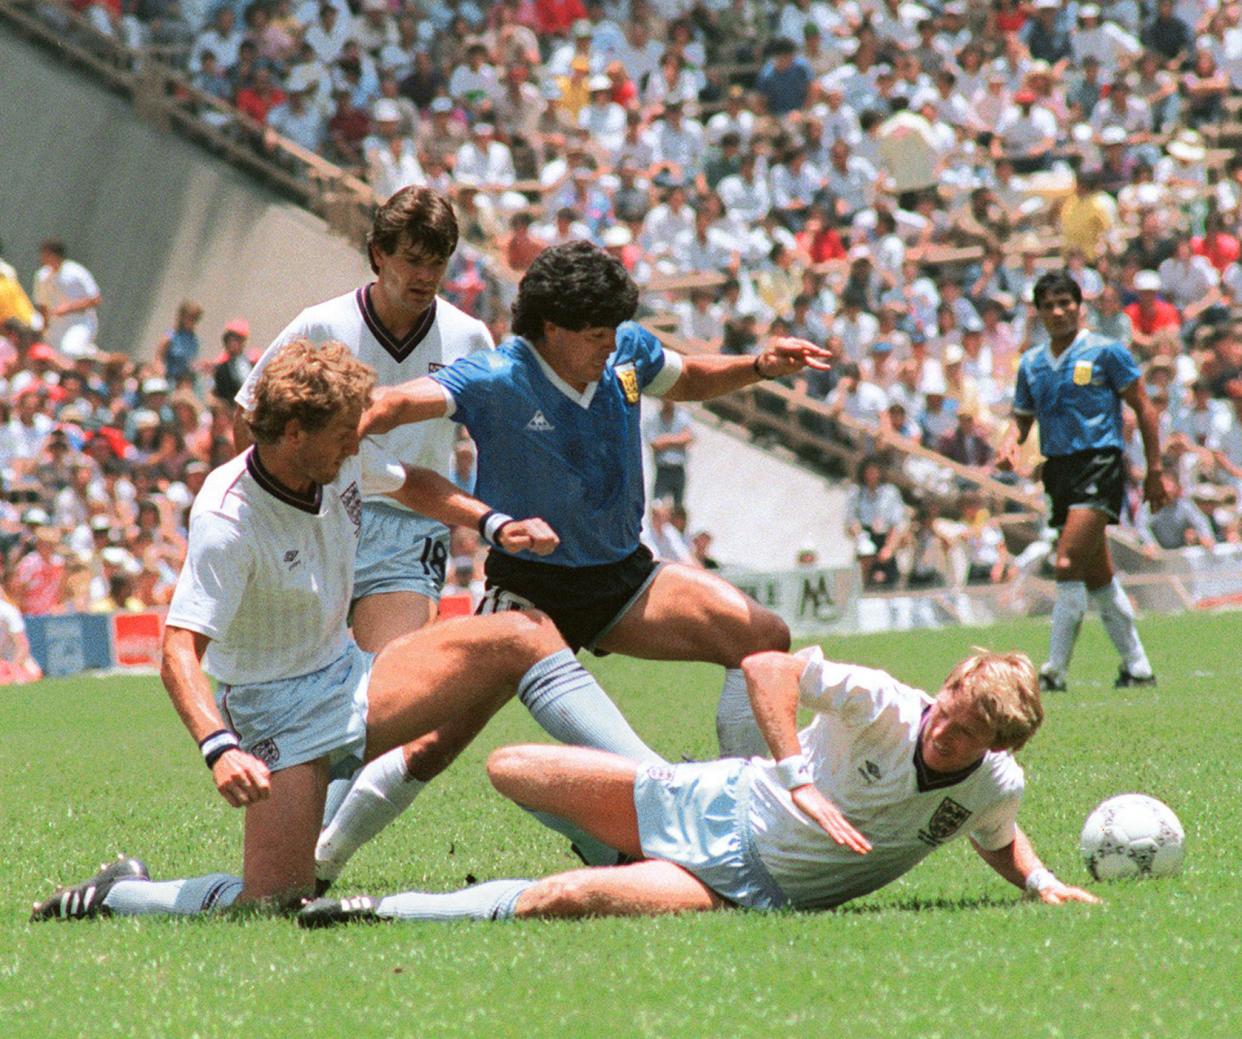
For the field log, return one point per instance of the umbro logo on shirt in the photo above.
(292, 560)
(870, 771)
(540, 424)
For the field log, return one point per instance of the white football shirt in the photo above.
(268, 576)
(863, 747)
(444, 335)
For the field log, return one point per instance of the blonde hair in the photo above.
(1003, 689)
(311, 383)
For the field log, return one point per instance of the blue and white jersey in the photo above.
(573, 459)
(1076, 396)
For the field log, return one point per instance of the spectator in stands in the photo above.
(17, 666)
(67, 296)
(663, 537)
(875, 516)
(785, 78)
(669, 432)
(967, 444)
(38, 579)
(1149, 313)
(178, 350)
(987, 558)
(233, 367)
(1178, 524)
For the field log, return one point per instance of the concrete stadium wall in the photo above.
(155, 218)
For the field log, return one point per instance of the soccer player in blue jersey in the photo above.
(1074, 385)
(556, 418)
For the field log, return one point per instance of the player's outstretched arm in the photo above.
(393, 406)
(1018, 864)
(772, 682)
(430, 494)
(703, 377)
(241, 778)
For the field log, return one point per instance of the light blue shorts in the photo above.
(697, 815)
(294, 720)
(399, 551)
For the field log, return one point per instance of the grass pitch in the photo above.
(89, 767)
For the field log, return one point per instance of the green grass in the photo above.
(92, 766)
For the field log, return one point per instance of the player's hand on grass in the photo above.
(241, 778)
(528, 535)
(1058, 894)
(829, 818)
(785, 355)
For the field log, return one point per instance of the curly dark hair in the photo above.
(1056, 281)
(575, 286)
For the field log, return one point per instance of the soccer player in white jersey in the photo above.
(400, 327)
(882, 777)
(261, 606)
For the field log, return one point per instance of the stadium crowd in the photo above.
(887, 178)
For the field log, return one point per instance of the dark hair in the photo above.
(574, 286)
(55, 246)
(1056, 281)
(419, 215)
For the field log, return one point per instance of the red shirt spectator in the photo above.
(1220, 248)
(1161, 315)
(556, 16)
(260, 97)
(39, 576)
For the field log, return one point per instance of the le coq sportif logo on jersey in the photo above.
(540, 424)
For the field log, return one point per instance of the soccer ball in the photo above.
(1132, 835)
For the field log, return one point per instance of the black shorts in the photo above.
(584, 602)
(1085, 480)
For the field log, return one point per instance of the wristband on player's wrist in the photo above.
(491, 524)
(1040, 880)
(759, 371)
(793, 771)
(217, 745)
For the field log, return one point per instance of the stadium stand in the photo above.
(888, 178)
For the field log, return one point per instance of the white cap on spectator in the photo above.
(1113, 135)
(1188, 147)
(145, 418)
(972, 324)
(1047, 5)
(1088, 11)
(1147, 195)
(36, 518)
(385, 110)
(440, 104)
(617, 236)
(1147, 281)
(954, 354)
(76, 351)
(101, 523)
(597, 83)
(375, 5)
(154, 385)
(484, 129)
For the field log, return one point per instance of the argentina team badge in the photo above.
(628, 378)
(1083, 371)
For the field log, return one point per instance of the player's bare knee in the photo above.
(508, 765)
(525, 637)
(766, 633)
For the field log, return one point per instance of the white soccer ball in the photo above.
(1132, 835)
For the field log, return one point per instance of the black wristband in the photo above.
(217, 744)
(759, 371)
(491, 524)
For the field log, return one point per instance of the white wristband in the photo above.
(793, 771)
(1040, 879)
(490, 524)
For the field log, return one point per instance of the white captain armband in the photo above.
(793, 771)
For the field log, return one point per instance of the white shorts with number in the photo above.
(399, 551)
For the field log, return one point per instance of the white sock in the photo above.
(177, 897)
(562, 696)
(1118, 617)
(380, 793)
(495, 900)
(737, 732)
(1067, 614)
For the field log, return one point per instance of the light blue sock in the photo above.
(495, 900)
(206, 894)
(562, 696)
(736, 729)
(594, 852)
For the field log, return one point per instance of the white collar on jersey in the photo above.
(583, 399)
(1059, 359)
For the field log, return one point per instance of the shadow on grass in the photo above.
(928, 905)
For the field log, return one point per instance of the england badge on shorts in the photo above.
(1082, 373)
(628, 378)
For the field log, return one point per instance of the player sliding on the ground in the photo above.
(883, 776)
(261, 605)
(1074, 386)
(555, 413)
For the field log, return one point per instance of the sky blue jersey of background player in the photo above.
(1076, 397)
(575, 460)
